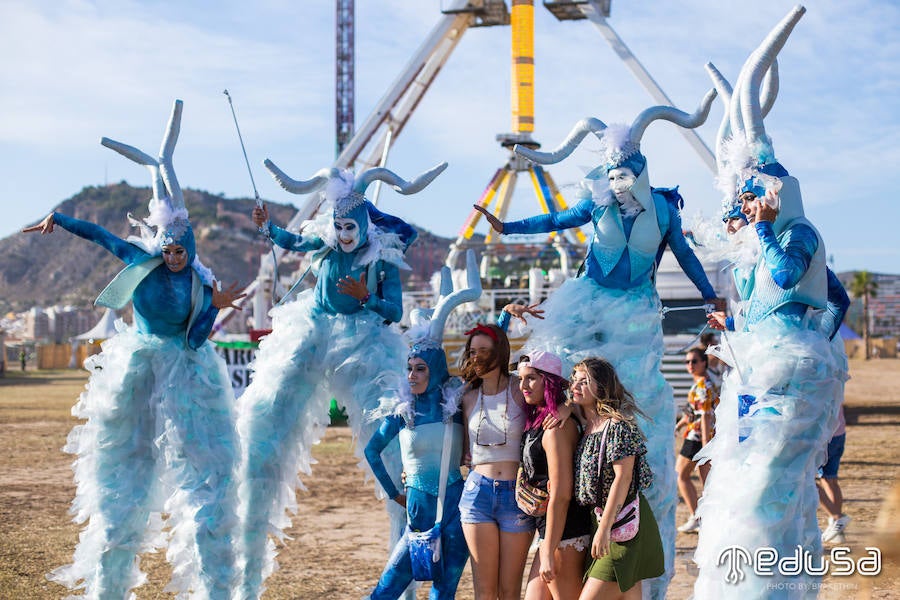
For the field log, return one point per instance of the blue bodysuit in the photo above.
(420, 424)
(158, 438)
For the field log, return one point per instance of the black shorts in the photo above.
(690, 448)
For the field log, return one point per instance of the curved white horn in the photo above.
(578, 133)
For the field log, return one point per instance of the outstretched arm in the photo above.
(389, 429)
(689, 262)
(576, 216)
(518, 311)
(124, 251)
(282, 237)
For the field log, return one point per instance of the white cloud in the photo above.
(91, 68)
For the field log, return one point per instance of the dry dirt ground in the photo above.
(340, 534)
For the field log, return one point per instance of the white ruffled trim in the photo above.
(712, 243)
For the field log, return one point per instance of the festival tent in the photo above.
(847, 333)
(103, 330)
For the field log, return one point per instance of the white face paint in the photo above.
(347, 231)
(620, 181)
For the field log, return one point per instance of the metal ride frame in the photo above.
(370, 144)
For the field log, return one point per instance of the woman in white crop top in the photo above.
(497, 532)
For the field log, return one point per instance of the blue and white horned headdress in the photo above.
(168, 215)
(744, 153)
(388, 236)
(426, 336)
(620, 143)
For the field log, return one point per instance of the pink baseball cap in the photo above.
(542, 361)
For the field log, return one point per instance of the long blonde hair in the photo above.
(611, 398)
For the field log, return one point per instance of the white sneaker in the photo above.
(692, 524)
(834, 533)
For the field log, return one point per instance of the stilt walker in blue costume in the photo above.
(333, 341)
(428, 421)
(779, 403)
(158, 436)
(613, 310)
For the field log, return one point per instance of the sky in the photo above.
(76, 70)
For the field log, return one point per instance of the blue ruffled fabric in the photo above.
(623, 326)
(761, 491)
(151, 445)
(310, 357)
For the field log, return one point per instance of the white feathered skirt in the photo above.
(761, 492)
(158, 440)
(309, 358)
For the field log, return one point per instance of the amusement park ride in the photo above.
(370, 144)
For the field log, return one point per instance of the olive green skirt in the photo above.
(639, 558)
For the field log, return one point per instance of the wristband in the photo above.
(365, 299)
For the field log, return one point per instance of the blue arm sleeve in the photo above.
(124, 251)
(503, 320)
(689, 262)
(292, 241)
(838, 303)
(788, 264)
(390, 305)
(576, 216)
(389, 429)
(205, 320)
(729, 323)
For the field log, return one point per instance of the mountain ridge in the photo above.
(63, 269)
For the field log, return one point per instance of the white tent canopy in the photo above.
(104, 329)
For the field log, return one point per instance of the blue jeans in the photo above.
(486, 500)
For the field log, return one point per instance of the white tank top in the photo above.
(496, 426)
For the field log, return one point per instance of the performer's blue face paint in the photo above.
(418, 375)
(175, 257)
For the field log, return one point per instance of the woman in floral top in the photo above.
(617, 568)
(699, 423)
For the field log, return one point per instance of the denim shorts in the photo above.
(486, 500)
(835, 450)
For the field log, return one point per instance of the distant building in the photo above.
(884, 307)
(37, 324)
(58, 323)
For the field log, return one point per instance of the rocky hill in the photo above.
(61, 268)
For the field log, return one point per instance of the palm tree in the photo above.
(864, 286)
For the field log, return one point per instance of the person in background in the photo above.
(831, 498)
(698, 422)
